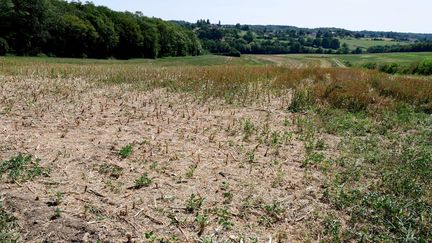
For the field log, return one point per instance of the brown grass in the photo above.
(346, 88)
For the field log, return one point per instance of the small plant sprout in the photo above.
(250, 156)
(194, 203)
(279, 178)
(248, 129)
(224, 218)
(275, 138)
(114, 171)
(202, 221)
(126, 151)
(142, 181)
(57, 214)
(191, 171)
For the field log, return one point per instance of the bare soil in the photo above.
(75, 127)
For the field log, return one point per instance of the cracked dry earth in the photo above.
(251, 189)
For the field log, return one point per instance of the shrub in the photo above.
(370, 65)
(391, 68)
(4, 47)
(354, 96)
(425, 67)
(233, 53)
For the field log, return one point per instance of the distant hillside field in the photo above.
(400, 58)
(365, 43)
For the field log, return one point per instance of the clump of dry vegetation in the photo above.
(142, 152)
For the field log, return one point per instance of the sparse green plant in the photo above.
(7, 226)
(228, 197)
(150, 236)
(6, 110)
(320, 144)
(224, 218)
(111, 170)
(279, 178)
(57, 214)
(313, 158)
(126, 151)
(194, 203)
(114, 186)
(302, 100)
(275, 138)
(286, 122)
(191, 171)
(250, 156)
(248, 129)
(143, 181)
(98, 212)
(202, 221)
(273, 213)
(154, 165)
(57, 199)
(225, 186)
(22, 168)
(287, 137)
(332, 228)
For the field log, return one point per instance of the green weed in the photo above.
(302, 100)
(22, 168)
(7, 226)
(248, 129)
(126, 151)
(224, 218)
(114, 171)
(194, 203)
(143, 181)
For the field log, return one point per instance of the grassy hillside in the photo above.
(401, 58)
(365, 43)
(290, 60)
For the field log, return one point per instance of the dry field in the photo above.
(138, 152)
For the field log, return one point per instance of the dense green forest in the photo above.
(273, 39)
(59, 28)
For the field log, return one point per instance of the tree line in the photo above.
(416, 47)
(240, 39)
(59, 28)
(245, 39)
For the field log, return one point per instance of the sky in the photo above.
(378, 15)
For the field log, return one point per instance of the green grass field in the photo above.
(301, 60)
(291, 60)
(400, 58)
(204, 60)
(366, 43)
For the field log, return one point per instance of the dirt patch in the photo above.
(280, 60)
(38, 222)
(252, 185)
